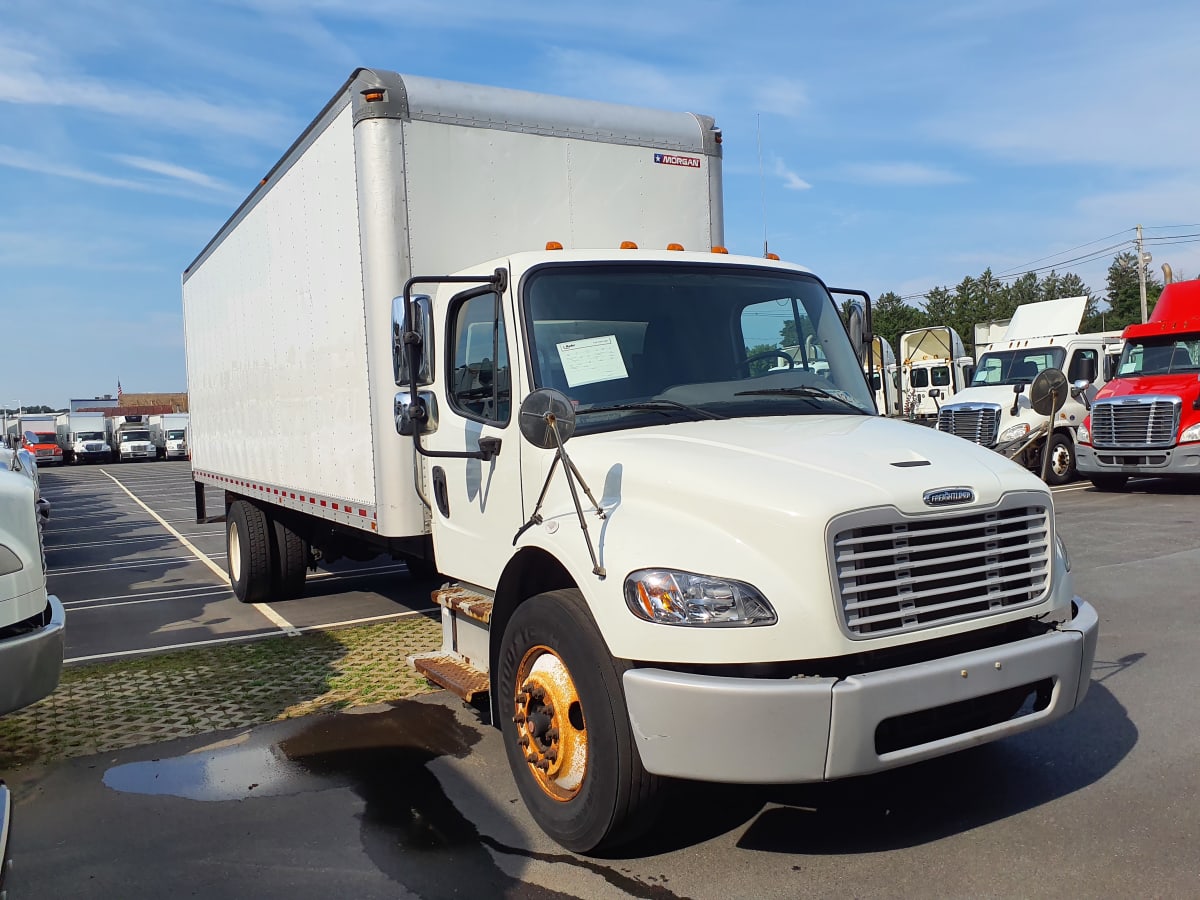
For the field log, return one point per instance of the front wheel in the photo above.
(1061, 466)
(566, 728)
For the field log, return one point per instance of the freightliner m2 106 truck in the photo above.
(83, 436)
(1146, 421)
(494, 333)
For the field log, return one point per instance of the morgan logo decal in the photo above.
(673, 159)
(949, 496)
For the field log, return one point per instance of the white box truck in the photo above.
(83, 436)
(996, 408)
(168, 433)
(771, 583)
(131, 438)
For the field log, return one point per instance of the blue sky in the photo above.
(904, 145)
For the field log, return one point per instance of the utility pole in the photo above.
(1142, 260)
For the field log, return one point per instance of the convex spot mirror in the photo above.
(1048, 392)
(421, 323)
(541, 413)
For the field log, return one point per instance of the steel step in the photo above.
(452, 672)
(464, 602)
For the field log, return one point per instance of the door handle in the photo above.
(441, 493)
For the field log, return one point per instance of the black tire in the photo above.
(1061, 467)
(1109, 482)
(289, 562)
(248, 547)
(616, 799)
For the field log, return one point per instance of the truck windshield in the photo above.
(1016, 366)
(89, 436)
(1164, 355)
(134, 436)
(175, 435)
(44, 437)
(633, 344)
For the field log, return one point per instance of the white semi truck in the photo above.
(168, 433)
(996, 409)
(131, 438)
(83, 436)
(389, 345)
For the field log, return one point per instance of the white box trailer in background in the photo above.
(933, 365)
(360, 334)
(84, 436)
(168, 433)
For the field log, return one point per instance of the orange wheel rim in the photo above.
(551, 732)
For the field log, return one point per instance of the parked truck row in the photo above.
(459, 324)
(71, 437)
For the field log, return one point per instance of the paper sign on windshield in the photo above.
(591, 360)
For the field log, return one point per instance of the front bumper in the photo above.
(760, 731)
(1180, 460)
(176, 454)
(92, 455)
(127, 455)
(31, 663)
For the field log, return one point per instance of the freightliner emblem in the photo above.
(949, 496)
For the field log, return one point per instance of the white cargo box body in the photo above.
(287, 311)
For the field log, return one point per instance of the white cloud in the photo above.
(783, 96)
(904, 174)
(791, 180)
(158, 167)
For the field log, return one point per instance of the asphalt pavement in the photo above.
(137, 574)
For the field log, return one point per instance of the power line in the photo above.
(1147, 227)
(1024, 268)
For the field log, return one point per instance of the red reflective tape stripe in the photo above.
(362, 512)
(323, 503)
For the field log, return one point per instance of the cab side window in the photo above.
(480, 384)
(1084, 365)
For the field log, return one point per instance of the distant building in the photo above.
(133, 404)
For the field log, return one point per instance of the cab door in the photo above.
(475, 503)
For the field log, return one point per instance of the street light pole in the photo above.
(1142, 260)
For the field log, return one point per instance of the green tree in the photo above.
(1123, 293)
(764, 363)
(891, 317)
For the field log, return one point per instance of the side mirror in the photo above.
(405, 423)
(416, 343)
(1089, 371)
(935, 393)
(1079, 391)
(856, 327)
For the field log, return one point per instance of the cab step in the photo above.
(461, 666)
(453, 673)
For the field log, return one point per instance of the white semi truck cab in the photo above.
(662, 532)
(996, 409)
(83, 437)
(131, 438)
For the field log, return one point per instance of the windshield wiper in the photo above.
(662, 406)
(806, 391)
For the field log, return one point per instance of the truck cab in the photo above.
(934, 364)
(38, 435)
(996, 411)
(131, 438)
(1146, 420)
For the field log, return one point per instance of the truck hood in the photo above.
(1183, 386)
(814, 466)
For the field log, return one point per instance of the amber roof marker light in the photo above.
(628, 245)
(674, 246)
(373, 95)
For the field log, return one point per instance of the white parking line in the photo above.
(96, 568)
(271, 615)
(136, 540)
(242, 638)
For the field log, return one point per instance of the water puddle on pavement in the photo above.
(409, 828)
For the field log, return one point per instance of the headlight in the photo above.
(683, 598)
(1082, 435)
(1191, 433)
(1015, 431)
(9, 561)
(1062, 549)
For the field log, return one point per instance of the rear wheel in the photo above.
(1109, 482)
(566, 728)
(249, 552)
(289, 562)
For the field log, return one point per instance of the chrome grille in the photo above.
(977, 422)
(897, 574)
(1137, 422)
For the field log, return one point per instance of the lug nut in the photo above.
(523, 740)
(544, 765)
(519, 718)
(552, 754)
(552, 734)
(532, 758)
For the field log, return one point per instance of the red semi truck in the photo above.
(1146, 420)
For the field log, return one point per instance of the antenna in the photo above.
(762, 184)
